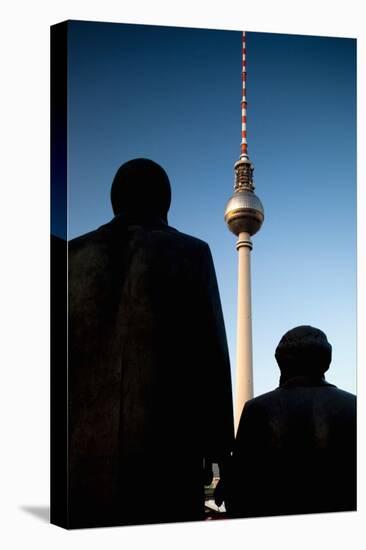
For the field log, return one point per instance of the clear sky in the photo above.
(173, 95)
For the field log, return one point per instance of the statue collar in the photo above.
(303, 380)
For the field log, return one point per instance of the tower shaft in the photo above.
(244, 353)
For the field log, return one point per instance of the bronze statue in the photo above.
(149, 374)
(295, 450)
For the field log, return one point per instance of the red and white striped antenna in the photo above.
(243, 167)
(244, 143)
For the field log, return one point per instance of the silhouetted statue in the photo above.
(149, 374)
(295, 450)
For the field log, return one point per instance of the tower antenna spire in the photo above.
(244, 216)
(244, 143)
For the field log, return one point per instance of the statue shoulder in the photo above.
(95, 237)
(263, 399)
(344, 396)
(186, 242)
(193, 241)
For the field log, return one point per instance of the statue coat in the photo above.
(295, 452)
(149, 376)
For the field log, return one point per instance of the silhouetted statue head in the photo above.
(141, 191)
(303, 350)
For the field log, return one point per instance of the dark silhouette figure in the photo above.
(295, 450)
(149, 374)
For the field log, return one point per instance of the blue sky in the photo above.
(173, 95)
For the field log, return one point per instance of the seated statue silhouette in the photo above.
(295, 450)
(149, 375)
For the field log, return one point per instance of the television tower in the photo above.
(244, 216)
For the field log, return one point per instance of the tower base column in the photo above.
(244, 360)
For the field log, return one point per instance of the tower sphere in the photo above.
(244, 212)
